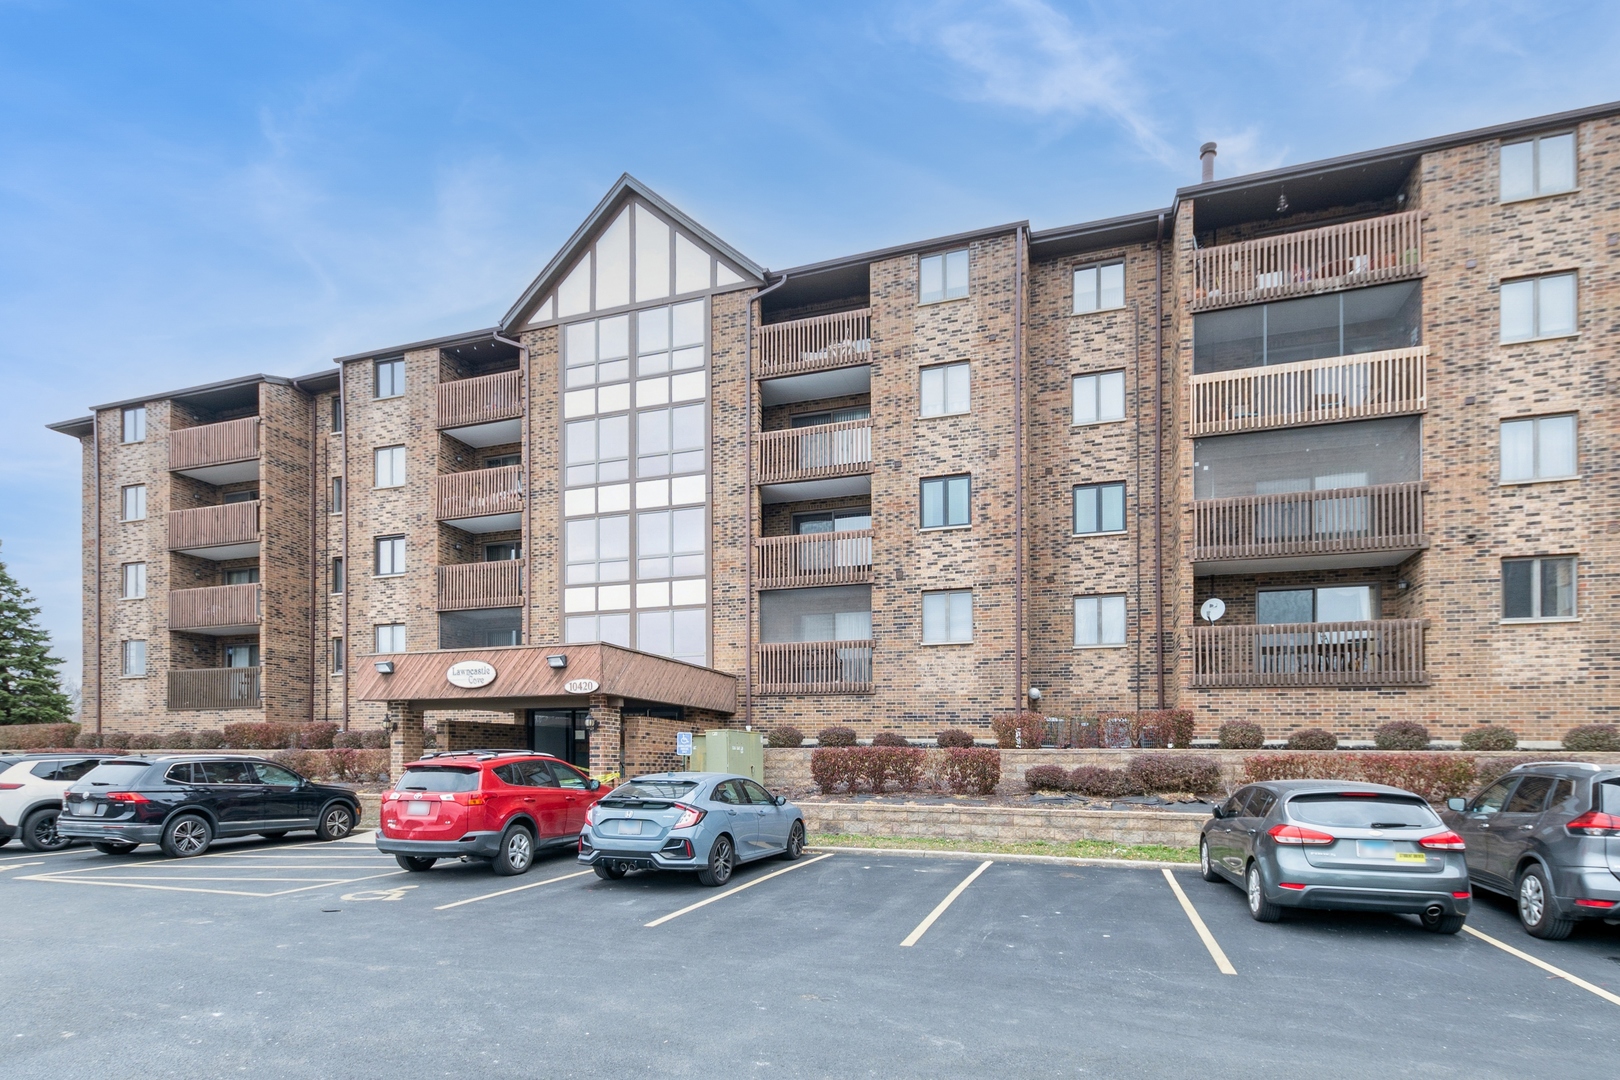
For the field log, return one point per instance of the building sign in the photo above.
(582, 686)
(470, 674)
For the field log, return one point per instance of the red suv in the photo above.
(500, 805)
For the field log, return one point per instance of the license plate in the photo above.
(84, 809)
(1411, 857)
(630, 828)
(1375, 849)
(419, 809)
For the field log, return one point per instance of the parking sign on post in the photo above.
(683, 744)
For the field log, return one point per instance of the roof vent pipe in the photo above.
(1206, 157)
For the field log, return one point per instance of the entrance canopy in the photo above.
(529, 676)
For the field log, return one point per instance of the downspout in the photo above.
(1019, 690)
(1136, 457)
(314, 563)
(343, 539)
(95, 527)
(748, 515)
(1158, 458)
(528, 503)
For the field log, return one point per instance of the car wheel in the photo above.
(1205, 867)
(609, 872)
(1537, 910)
(39, 832)
(113, 847)
(337, 821)
(722, 860)
(1442, 924)
(414, 864)
(517, 852)
(274, 835)
(186, 836)
(1262, 909)
(795, 846)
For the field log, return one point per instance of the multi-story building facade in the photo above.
(1364, 403)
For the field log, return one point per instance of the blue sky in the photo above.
(190, 192)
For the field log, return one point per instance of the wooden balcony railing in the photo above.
(816, 344)
(1311, 391)
(218, 605)
(813, 453)
(214, 688)
(214, 526)
(214, 444)
(481, 492)
(1386, 517)
(481, 585)
(487, 398)
(1368, 252)
(1384, 652)
(832, 558)
(815, 667)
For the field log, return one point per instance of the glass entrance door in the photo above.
(562, 734)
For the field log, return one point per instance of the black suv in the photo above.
(183, 803)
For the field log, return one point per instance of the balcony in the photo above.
(1389, 383)
(223, 453)
(817, 462)
(482, 500)
(1368, 252)
(483, 411)
(822, 343)
(815, 667)
(831, 558)
(1384, 652)
(480, 585)
(228, 531)
(1337, 527)
(214, 688)
(220, 609)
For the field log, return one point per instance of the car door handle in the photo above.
(733, 813)
(1526, 828)
(528, 798)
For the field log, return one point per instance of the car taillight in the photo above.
(1461, 895)
(9, 787)
(590, 815)
(1298, 835)
(473, 800)
(1290, 885)
(690, 816)
(1595, 903)
(1593, 823)
(127, 796)
(1446, 841)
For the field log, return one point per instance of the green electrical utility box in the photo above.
(726, 750)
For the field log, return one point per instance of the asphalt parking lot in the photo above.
(301, 959)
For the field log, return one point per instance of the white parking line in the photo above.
(63, 879)
(950, 898)
(1544, 966)
(1198, 924)
(738, 889)
(18, 865)
(505, 892)
(22, 856)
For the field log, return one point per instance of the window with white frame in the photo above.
(670, 543)
(135, 424)
(1538, 448)
(680, 634)
(132, 502)
(134, 658)
(1099, 398)
(134, 581)
(670, 442)
(1099, 620)
(389, 378)
(947, 617)
(1099, 288)
(390, 555)
(613, 629)
(1542, 588)
(1544, 165)
(391, 637)
(942, 277)
(597, 450)
(1538, 307)
(1099, 508)
(390, 467)
(946, 501)
(597, 550)
(945, 389)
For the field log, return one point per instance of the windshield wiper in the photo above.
(1389, 825)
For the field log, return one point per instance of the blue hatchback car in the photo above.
(708, 823)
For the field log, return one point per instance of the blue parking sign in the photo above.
(683, 744)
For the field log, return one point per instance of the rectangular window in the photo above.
(250, 495)
(1099, 288)
(1539, 448)
(390, 467)
(337, 575)
(391, 637)
(390, 378)
(482, 628)
(947, 617)
(390, 555)
(1340, 603)
(670, 543)
(1544, 165)
(133, 503)
(337, 414)
(134, 581)
(509, 551)
(613, 629)
(942, 277)
(135, 424)
(1099, 398)
(336, 651)
(1099, 508)
(597, 451)
(597, 550)
(134, 657)
(336, 506)
(501, 461)
(1099, 620)
(245, 576)
(241, 656)
(945, 501)
(1539, 307)
(670, 441)
(1538, 588)
(945, 389)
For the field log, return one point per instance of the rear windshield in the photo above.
(1362, 811)
(1608, 796)
(115, 773)
(652, 789)
(439, 779)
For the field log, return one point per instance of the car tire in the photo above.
(795, 845)
(187, 836)
(1538, 912)
(608, 872)
(1260, 908)
(1442, 924)
(1205, 867)
(337, 821)
(113, 847)
(517, 852)
(39, 832)
(722, 861)
(274, 835)
(414, 863)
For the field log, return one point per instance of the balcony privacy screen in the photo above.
(480, 629)
(837, 613)
(1358, 454)
(1310, 328)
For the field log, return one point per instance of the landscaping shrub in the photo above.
(346, 740)
(147, 742)
(904, 765)
(785, 738)
(316, 736)
(1196, 774)
(1298, 766)
(1047, 778)
(836, 736)
(972, 771)
(1241, 735)
(311, 764)
(832, 767)
(177, 740)
(1020, 729)
(1593, 738)
(372, 765)
(890, 738)
(207, 739)
(37, 736)
(1401, 735)
(1436, 777)
(1167, 728)
(1313, 738)
(1488, 770)
(269, 736)
(1098, 782)
(1490, 737)
(954, 737)
(116, 740)
(87, 740)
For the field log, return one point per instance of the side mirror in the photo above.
(781, 800)
(1458, 805)
(593, 785)
(1216, 812)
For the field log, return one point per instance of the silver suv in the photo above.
(1548, 835)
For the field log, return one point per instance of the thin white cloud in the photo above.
(1241, 152)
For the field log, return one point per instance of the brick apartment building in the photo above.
(1367, 403)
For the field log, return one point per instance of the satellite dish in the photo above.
(1212, 610)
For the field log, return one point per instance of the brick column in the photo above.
(404, 736)
(607, 735)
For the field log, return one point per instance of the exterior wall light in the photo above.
(558, 661)
(385, 667)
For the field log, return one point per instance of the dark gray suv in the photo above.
(1548, 835)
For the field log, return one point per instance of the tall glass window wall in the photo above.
(1310, 328)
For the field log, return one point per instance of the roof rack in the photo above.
(1560, 764)
(480, 752)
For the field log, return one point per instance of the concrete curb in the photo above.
(1060, 860)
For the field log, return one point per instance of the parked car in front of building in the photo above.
(183, 803)
(31, 787)
(1337, 845)
(502, 806)
(1548, 835)
(707, 823)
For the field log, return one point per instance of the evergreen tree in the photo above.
(30, 684)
